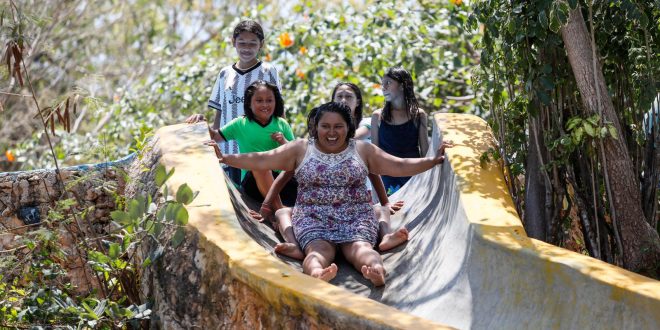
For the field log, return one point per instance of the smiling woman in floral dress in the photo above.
(333, 207)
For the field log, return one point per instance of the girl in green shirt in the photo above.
(262, 128)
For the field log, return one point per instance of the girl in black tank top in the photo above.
(401, 125)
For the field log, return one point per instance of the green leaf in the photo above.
(544, 97)
(98, 257)
(172, 209)
(178, 237)
(643, 21)
(160, 215)
(90, 312)
(613, 132)
(573, 3)
(573, 122)
(594, 120)
(184, 194)
(555, 24)
(563, 12)
(579, 132)
(113, 251)
(546, 83)
(146, 262)
(589, 129)
(181, 216)
(120, 216)
(160, 175)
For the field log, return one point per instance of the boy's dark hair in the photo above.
(249, 93)
(357, 115)
(335, 107)
(249, 26)
(403, 77)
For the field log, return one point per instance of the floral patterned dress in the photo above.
(333, 201)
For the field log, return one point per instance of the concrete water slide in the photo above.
(468, 264)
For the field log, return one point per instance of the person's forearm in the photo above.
(362, 132)
(411, 166)
(379, 188)
(216, 120)
(254, 161)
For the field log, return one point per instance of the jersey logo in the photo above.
(236, 99)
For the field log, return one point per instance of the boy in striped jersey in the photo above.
(229, 89)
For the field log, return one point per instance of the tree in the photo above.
(558, 148)
(641, 244)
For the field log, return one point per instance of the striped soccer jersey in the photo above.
(228, 93)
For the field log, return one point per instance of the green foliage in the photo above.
(155, 77)
(427, 38)
(43, 295)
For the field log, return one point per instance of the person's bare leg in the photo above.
(264, 180)
(389, 239)
(365, 259)
(290, 246)
(318, 260)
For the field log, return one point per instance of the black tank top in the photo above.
(399, 140)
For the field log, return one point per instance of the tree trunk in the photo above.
(641, 243)
(535, 187)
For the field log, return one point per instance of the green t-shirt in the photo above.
(252, 137)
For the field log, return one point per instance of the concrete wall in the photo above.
(222, 279)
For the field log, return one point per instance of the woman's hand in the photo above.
(279, 138)
(267, 212)
(440, 154)
(394, 208)
(215, 134)
(196, 118)
(216, 148)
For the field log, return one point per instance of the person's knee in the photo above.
(283, 212)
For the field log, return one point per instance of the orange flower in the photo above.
(302, 50)
(456, 2)
(285, 40)
(10, 156)
(300, 74)
(377, 86)
(268, 57)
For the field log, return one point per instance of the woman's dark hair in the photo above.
(403, 77)
(249, 93)
(335, 107)
(357, 116)
(311, 126)
(249, 26)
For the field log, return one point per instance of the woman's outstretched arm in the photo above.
(380, 162)
(284, 157)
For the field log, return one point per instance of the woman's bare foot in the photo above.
(393, 239)
(290, 250)
(325, 274)
(375, 274)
